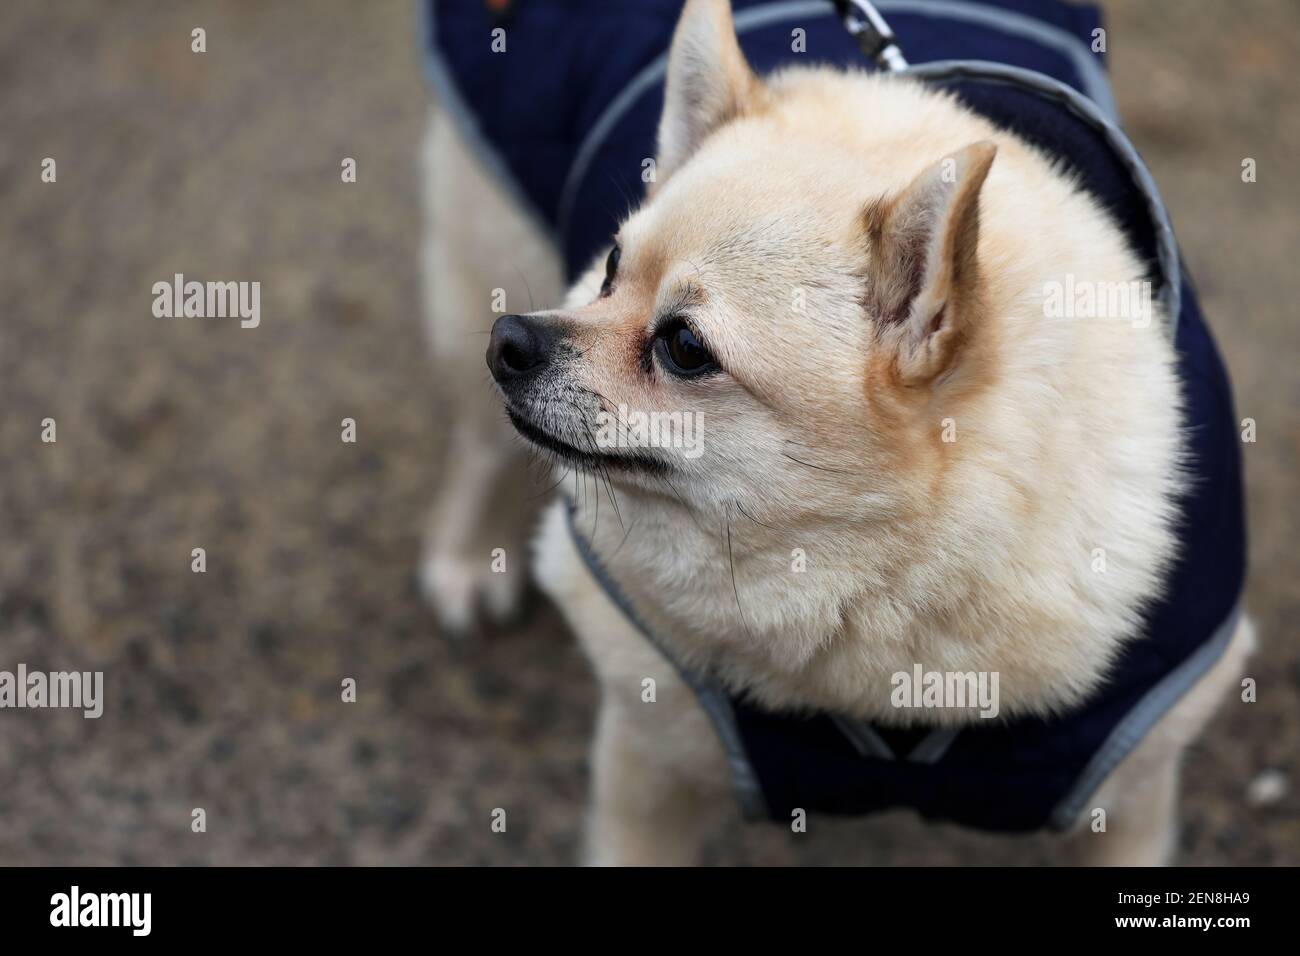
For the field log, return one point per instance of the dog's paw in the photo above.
(463, 591)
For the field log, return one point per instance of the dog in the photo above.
(931, 460)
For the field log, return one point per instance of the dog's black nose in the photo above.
(518, 347)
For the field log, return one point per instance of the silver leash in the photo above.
(874, 37)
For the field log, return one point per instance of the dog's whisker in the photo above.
(626, 534)
(609, 491)
(554, 484)
(808, 464)
(731, 557)
(682, 501)
(741, 509)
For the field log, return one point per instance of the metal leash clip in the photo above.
(874, 37)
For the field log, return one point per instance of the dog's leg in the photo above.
(456, 571)
(1141, 822)
(659, 774)
(645, 811)
(481, 256)
(1140, 799)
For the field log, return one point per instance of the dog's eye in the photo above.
(611, 268)
(681, 352)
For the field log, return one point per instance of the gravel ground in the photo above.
(223, 688)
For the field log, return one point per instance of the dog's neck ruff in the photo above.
(1027, 66)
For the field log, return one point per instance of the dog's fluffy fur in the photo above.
(867, 260)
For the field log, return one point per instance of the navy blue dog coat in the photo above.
(565, 120)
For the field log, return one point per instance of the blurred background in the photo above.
(223, 689)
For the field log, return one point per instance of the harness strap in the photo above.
(1130, 731)
(1087, 112)
(763, 15)
(714, 700)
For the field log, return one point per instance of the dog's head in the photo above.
(788, 317)
(832, 299)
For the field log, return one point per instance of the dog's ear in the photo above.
(708, 82)
(923, 275)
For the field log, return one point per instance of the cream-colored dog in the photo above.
(838, 277)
